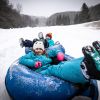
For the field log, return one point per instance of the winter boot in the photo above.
(21, 41)
(96, 45)
(91, 64)
(40, 36)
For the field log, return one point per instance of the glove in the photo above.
(38, 64)
(60, 56)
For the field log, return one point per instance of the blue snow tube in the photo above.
(23, 83)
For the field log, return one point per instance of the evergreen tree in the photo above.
(84, 14)
(11, 18)
(95, 12)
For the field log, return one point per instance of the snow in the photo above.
(72, 37)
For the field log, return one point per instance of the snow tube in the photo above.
(23, 83)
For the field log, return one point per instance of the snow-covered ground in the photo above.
(72, 37)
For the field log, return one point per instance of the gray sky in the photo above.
(48, 7)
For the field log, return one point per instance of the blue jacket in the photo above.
(53, 50)
(30, 59)
(51, 42)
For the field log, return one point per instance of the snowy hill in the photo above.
(94, 24)
(72, 37)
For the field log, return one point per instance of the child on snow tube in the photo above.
(49, 39)
(41, 58)
(36, 58)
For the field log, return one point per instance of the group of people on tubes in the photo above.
(51, 62)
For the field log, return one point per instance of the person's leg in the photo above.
(91, 63)
(67, 70)
(25, 43)
(71, 70)
(28, 43)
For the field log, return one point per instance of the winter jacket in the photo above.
(54, 50)
(30, 59)
(67, 70)
(50, 41)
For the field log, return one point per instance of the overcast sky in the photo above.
(48, 7)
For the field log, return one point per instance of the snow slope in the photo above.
(73, 38)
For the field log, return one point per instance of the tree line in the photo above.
(11, 18)
(86, 14)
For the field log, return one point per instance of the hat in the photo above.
(35, 39)
(38, 44)
(49, 35)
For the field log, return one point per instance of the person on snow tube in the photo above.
(48, 37)
(47, 41)
(36, 58)
(39, 57)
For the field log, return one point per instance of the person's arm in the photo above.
(52, 42)
(27, 60)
